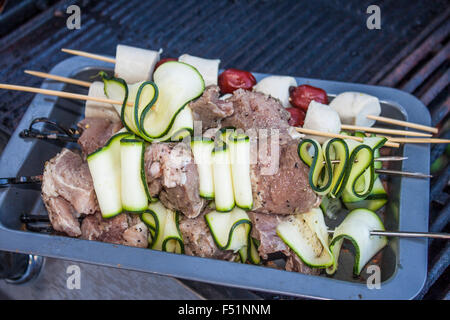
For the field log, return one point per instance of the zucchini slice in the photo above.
(374, 201)
(253, 252)
(142, 94)
(223, 182)
(337, 149)
(361, 173)
(240, 170)
(105, 168)
(150, 221)
(135, 195)
(250, 252)
(376, 143)
(356, 227)
(182, 127)
(325, 178)
(231, 230)
(202, 150)
(319, 181)
(178, 84)
(307, 235)
(167, 233)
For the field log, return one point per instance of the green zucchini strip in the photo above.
(374, 201)
(149, 220)
(361, 173)
(325, 178)
(178, 84)
(135, 194)
(166, 225)
(105, 168)
(222, 178)
(231, 230)
(307, 235)
(202, 151)
(182, 127)
(240, 170)
(356, 227)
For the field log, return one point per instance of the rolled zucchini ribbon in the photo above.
(164, 228)
(160, 110)
(231, 231)
(356, 227)
(325, 177)
(352, 177)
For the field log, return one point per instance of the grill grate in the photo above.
(320, 39)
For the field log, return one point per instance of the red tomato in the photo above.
(160, 62)
(297, 117)
(301, 96)
(233, 79)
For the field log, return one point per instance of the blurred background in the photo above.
(317, 39)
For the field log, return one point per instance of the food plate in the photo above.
(403, 263)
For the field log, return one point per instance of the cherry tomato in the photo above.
(301, 96)
(233, 79)
(297, 117)
(160, 62)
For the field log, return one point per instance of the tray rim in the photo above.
(412, 252)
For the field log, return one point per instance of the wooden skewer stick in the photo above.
(384, 130)
(419, 140)
(89, 55)
(407, 234)
(61, 94)
(342, 136)
(403, 123)
(58, 78)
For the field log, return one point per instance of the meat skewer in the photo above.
(343, 126)
(38, 178)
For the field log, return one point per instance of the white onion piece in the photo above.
(277, 87)
(208, 68)
(94, 109)
(135, 64)
(321, 117)
(354, 107)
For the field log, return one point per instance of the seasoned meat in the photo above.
(170, 169)
(255, 110)
(136, 235)
(198, 240)
(95, 132)
(209, 109)
(91, 227)
(264, 229)
(121, 229)
(67, 176)
(294, 263)
(61, 215)
(280, 184)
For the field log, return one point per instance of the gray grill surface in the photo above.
(318, 39)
